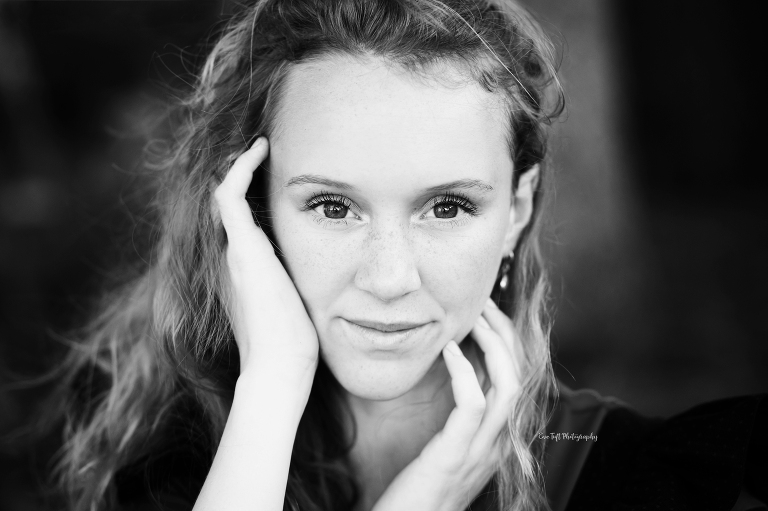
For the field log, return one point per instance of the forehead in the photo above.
(368, 112)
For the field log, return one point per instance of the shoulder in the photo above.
(571, 434)
(712, 456)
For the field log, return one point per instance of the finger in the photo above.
(239, 177)
(498, 359)
(465, 418)
(504, 376)
(501, 324)
(229, 196)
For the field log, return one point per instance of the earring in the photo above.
(505, 267)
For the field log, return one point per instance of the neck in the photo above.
(392, 433)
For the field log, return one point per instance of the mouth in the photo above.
(384, 336)
(386, 327)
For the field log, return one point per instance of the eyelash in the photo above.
(324, 198)
(456, 199)
(451, 198)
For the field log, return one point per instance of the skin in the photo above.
(387, 140)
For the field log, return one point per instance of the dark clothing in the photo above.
(711, 457)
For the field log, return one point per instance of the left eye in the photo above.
(451, 206)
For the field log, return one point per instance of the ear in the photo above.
(521, 209)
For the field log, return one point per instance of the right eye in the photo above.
(330, 207)
(335, 210)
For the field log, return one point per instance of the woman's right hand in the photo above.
(272, 328)
(278, 356)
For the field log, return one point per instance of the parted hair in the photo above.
(151, 378)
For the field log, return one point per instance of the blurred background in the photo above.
(657, 236)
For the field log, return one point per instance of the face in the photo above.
(391, 203)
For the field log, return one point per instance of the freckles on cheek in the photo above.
(462, 273)
(319, 263)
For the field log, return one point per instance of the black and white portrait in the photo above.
(388, 255)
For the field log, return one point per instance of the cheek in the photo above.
(319, 263)
(460, 272)
(464, 264)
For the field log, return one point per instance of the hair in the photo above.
(152, 376)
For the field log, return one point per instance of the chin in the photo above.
(376, 380)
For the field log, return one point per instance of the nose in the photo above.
(388, 269)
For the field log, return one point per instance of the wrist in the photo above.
(284, 379)
(267, 393)
(279, 365)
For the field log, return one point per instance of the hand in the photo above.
(459, 460)
(271, 325)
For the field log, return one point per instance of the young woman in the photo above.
(345, 307)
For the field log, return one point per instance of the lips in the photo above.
(389, 336)
(386, 327)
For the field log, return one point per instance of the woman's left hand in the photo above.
(459, 460)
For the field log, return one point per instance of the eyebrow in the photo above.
(459, 184)
(313, 179)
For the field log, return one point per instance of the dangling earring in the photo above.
(505, 267)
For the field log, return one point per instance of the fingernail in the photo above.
(453, 348)
(491, 303)
(483, 322)
(258, 142)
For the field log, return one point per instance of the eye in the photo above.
(450, 206)
(335, 210)
(330, 206)
(446, 210)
